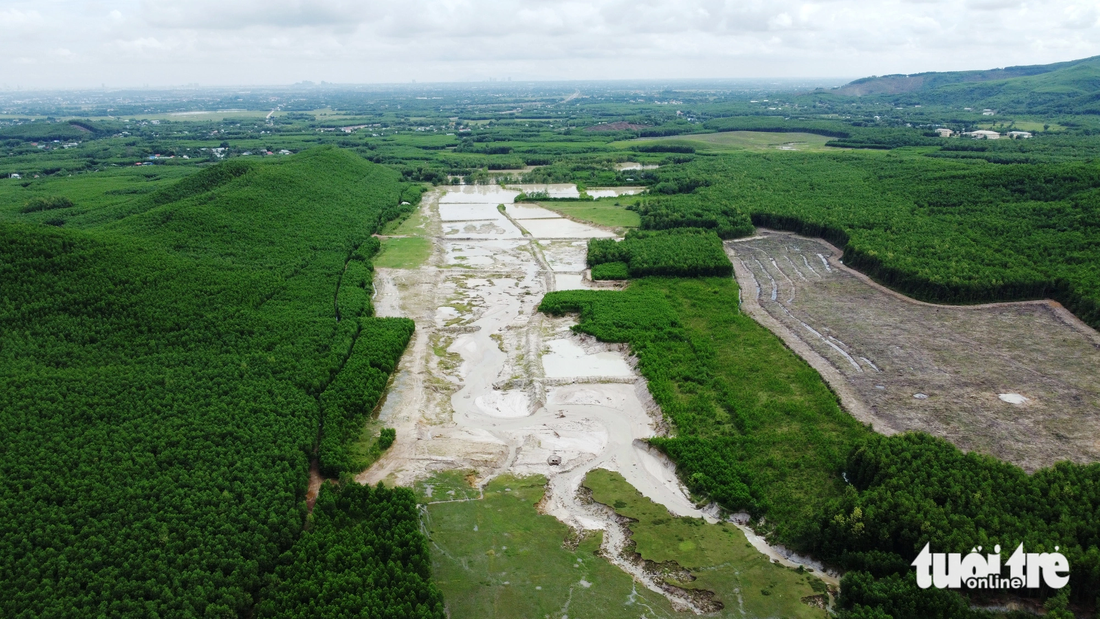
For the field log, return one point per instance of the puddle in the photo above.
(612, 192)
(568, 360)
(568, 281)
(564, 229)
(489, 229)
(526, 211)
(503, 404)
(466, 212)
(479, 194)
(553, 190)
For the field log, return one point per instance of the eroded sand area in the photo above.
(1018, 381)
(489, 386)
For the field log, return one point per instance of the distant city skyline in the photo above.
(141, 43)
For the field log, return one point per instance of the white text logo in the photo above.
(952, 570)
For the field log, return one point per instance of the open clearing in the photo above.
(403, 252)
(490, 387)
(1018, 381)
(739, 140)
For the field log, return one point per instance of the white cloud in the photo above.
(164, 42)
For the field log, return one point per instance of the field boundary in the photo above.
(836, 254)
(837, 383)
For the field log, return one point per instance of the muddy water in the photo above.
(491, 385)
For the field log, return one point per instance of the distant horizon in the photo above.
(137, 44)
(309, 85)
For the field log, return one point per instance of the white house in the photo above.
(16, 176)
(945, 132)
(1023, 135)
(984, 134)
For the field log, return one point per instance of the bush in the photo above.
(610, 270)
(46, 204)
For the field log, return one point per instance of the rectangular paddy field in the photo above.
(1018, 381)
(738, 140)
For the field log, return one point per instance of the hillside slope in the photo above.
(1065, 87)
(166, 374)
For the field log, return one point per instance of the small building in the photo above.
(1022, 135)
(945, 132)
(984, 134)
(16, 176)
(988, 112)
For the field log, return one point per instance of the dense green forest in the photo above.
(168, 365)
(679, 252)
(362, 555)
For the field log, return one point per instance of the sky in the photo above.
(62, 44)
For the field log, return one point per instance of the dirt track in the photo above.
(905, 365)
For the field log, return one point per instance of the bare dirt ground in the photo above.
(491, 386)
(1019, 381)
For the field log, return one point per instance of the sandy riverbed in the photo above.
(490, 385)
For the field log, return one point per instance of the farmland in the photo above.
(210, 318)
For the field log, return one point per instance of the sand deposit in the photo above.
(490, 385)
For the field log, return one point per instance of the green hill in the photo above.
(168, 366)
(1065, 87)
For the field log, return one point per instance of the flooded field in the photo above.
(490, 386)
(1014, 380)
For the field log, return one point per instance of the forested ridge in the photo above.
(168, 368)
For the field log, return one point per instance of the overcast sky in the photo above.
(89, 43)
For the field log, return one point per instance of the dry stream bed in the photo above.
(491, 386)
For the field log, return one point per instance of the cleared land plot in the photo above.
(719, 558)
(738, 140)
(498, 557)
(940, 369)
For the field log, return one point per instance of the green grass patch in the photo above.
(604, 212)
(718, 555)
(446, 486)
(369, 446)
(414, 224)
(404, 252)
(498, 557)
(737, 140)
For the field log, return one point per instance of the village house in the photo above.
(945, 132)
(1023, 135)
(983, 134)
